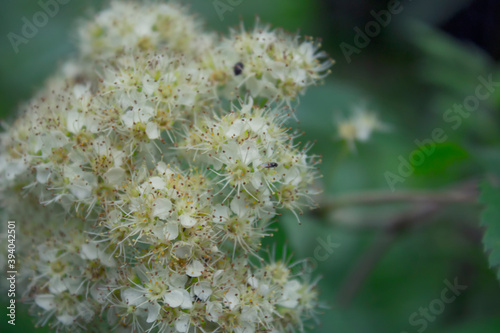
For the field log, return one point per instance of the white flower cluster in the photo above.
(145, 174)
(359, 127)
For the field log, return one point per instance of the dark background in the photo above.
(427, 59)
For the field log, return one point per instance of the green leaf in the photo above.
(439, 158)
(490, 218)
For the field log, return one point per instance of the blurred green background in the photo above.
(426, 60)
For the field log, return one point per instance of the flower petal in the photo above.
(174, 298)
(195, 268)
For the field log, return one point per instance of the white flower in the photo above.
(162, 208)
(43, 172)
(291, 295)
(77, 121)
(195, 268)
(231, 298)
(182, 250)
(174, 298)
(67, 309)
(182, 323)
(276, 65)
(202, 290)
(57, 267)
(92, 251)
(177, 280)
(45, 301)
(186, 300)
(220, 213)
(187, 221)
(253, 282)
(152, 130)
(166, 231)
(81, 183)
(115, 176)
(359, 127)
(138, 298)
(138, 115)
(214, 311)
(163, 176)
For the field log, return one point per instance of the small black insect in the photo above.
(238, 68)
(269, 165)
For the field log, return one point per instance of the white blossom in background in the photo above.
(148, 170)
(359, 127)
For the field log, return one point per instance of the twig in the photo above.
(379, 247)
(465, 192)
(426, 204)
(453, 196)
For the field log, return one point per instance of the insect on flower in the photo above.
(269, 165)
(160, 236)
(238, 68)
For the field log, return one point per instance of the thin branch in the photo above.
(465, 192)
(364, 267)
(426, 205)
(377, 197)
(379, 247)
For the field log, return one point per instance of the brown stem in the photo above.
(427, 204)
(453, 196)
(465, 192)
(379, 247)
